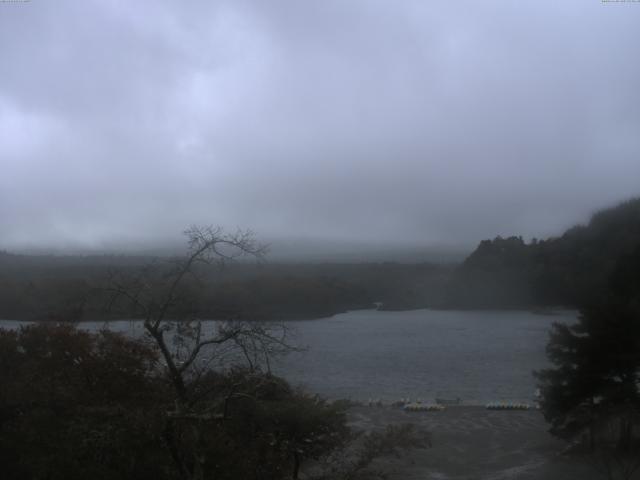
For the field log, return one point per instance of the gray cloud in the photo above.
(364, 121)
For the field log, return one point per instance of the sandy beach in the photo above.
(473, 443)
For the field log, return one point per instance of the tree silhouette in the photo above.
(593, 389)
(163, 296)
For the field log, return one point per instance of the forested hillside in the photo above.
(69, 287)
(501, 273)
(568, 270)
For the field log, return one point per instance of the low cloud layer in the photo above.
(381, 122)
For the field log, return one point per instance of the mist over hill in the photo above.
(569, 270)
(70, 287)
(316, 279)
(279, 249)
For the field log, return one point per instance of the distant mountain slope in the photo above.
(68, 287)
(568, 270)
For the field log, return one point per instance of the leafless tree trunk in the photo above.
(170, 321)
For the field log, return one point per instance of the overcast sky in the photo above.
(382, 122)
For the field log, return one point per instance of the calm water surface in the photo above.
(479, 356)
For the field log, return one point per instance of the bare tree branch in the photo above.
(171, 321)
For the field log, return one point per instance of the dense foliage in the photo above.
(75, 405)
(596, 374)
(48, 287)
(569, 270)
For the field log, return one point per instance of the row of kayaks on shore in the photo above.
(508, 406)
(429, 407)
(418, 406)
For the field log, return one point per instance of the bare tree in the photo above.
(161, 297)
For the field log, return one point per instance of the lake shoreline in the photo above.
(478, 356)
(556, 311)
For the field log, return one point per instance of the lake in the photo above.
(478, 356)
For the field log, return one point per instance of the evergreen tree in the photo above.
(596, 371)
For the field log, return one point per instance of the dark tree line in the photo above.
(592, 393)
(568, 270)
(57, 288)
